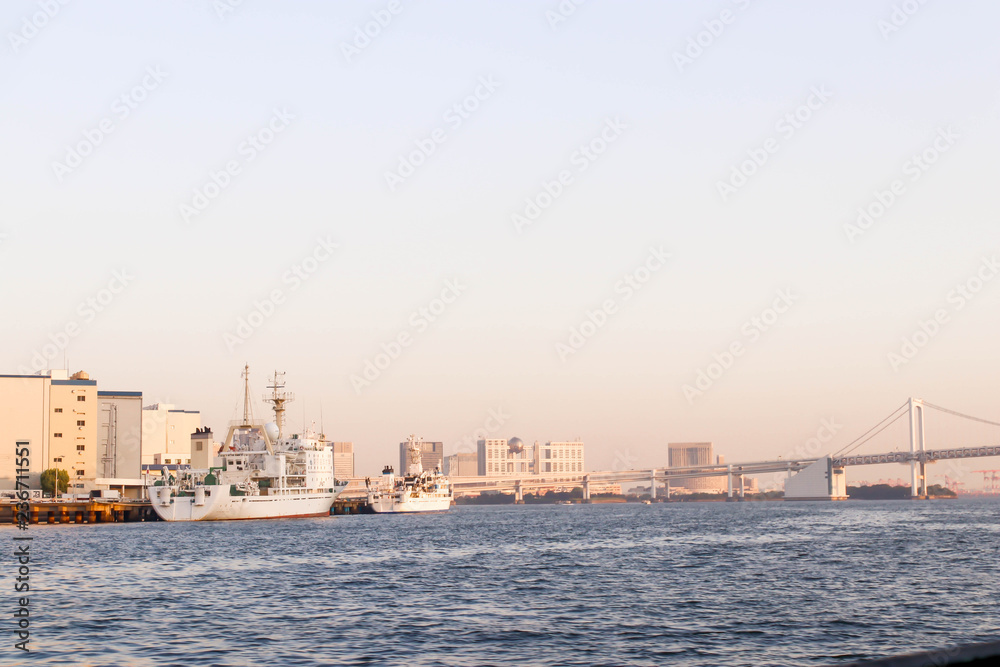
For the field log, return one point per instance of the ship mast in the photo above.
(247, 407)
(278, 398)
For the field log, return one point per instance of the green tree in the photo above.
(49, 478)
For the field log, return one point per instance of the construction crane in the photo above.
(953, 484)
(991, 481)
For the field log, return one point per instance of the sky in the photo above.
(632, 222)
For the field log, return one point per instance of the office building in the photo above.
(499, 457)
(461, 465)
(694, 454)
(431, 456)
(57, 414)
(559, 456)
(343, 460)
(166, 434)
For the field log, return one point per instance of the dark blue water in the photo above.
(679, 584)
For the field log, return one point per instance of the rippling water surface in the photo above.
(680, 584)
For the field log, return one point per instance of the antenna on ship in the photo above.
(278, 398)
(247, 407)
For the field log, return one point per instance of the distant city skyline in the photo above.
(675, 223)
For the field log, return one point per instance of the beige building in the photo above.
(343, 460)
(693, 454)
(58, 414)
(499, 457)
(559, 456)
(119, 434)
(166, 434)
(461, 465)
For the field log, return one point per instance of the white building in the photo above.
(559, 456)
(166, 434)
(506, 458)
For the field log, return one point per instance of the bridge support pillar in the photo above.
(586, 488)
(917, 445)
(518, 493)
(729, 492)
(667, 491)
(652, 485)
(743, 489)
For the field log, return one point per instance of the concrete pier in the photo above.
(51, 512)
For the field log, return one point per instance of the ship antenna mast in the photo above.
(278, 398)
(247, 407)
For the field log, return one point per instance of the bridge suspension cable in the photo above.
(959, 414)
(851, 446)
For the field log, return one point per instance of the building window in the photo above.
(81, 448)
(57, 435)
(198, 446)
(58, 409)
(57, 459)
(81, 422)
(167, 461)
(79, 473)
(81, 398)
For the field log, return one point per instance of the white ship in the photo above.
(258, 473)
(417, 491)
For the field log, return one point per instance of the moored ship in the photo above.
(416, 491)
(259, 473)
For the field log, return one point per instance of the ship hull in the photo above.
(218, 505)
(389, 505)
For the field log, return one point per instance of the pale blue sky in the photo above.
(656, 185)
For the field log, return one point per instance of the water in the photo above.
(680, 584)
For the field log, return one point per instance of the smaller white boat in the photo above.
(416, 491)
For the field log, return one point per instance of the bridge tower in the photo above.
(918, 483)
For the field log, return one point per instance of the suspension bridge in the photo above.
(813, 478)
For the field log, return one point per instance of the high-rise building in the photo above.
(693, 454)
(119, 434)
(166, 434)
(461, 465)
(559, 456)
(499, 457)
(58, 414)
(343, 460)
(431, 456)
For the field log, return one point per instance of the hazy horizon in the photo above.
(300, 138)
